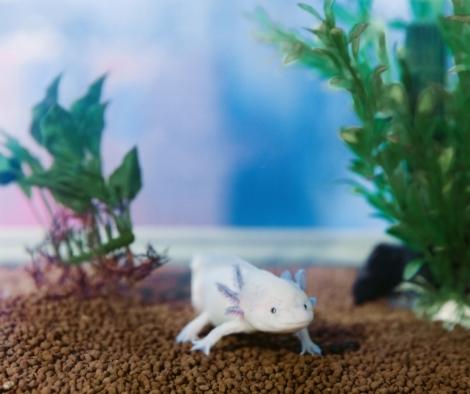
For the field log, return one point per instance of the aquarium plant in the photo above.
(411, 146)
(87, 246)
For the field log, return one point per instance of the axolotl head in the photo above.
(273, 304)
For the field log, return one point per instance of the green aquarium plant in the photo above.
(88, 211)
(411, 146)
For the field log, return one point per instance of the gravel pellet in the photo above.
(119, 345)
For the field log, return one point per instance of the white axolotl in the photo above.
(237, 297)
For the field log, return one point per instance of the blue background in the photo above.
(227, 135)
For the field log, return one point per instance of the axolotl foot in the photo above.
(227, 328)
(184, 337)
(202, 346)
(190, 332)
(310, 348)
(306, 343)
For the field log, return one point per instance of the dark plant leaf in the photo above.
(88, 113)
(10, 170)
(412, 268)
(355, 43)
(20, 153)
(40, 109)
(72, 183)
(63, 191)
(125, 182)
(59, 134)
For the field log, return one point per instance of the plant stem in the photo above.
(46, 203)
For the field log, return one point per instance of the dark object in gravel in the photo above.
(381, 273)
(118, 346)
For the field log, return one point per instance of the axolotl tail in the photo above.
(197, 283)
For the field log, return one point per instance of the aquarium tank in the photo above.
(180, 212)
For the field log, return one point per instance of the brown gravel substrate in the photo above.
(120, 346)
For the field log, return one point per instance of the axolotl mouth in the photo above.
(294, 326)
(285, 327)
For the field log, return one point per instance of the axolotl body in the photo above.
(237, 297)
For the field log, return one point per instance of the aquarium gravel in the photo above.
(124, 345)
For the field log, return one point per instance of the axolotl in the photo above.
(237, 297)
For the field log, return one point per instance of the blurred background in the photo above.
(227, 135)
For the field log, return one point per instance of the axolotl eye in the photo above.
(273, 310)
(305, 306)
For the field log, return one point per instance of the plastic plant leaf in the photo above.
(351, 134)
(458, 68)
(379, 70)
(308, 8)
(328, 10)
(362, 168)
(290, 57)
(10, 170)
(445, 159)
(447, 188)
(70, 200)
(22, 154)
(125, 182)
(340, 82)
(62, 190)
(355, 43)
(412, 268)
(327, 55)
(398, 24)
(86, 177)
(91, 97)
(405, 232)
(40, 109)
(357, 30)
(382, 50)
(90, 126)
(344, 14)
(73, 184)
(59, 134)
(340, 39)
(365, 7)
(88, 113)
(426, 101)
(459, 18)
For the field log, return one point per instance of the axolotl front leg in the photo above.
(193, 328)
(227, 328)
(306, 343)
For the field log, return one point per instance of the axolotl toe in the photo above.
(237, 297)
